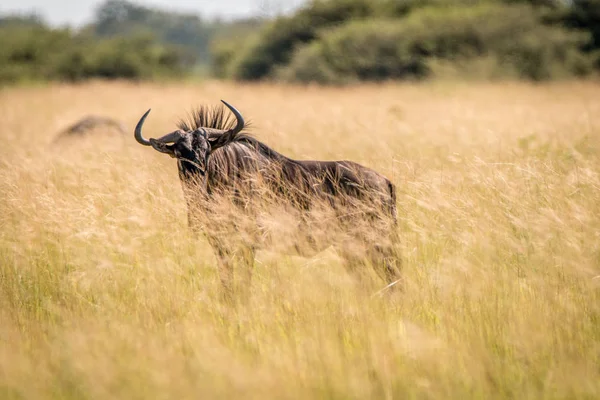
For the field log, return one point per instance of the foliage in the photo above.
(275, 44)
(325, 41)
(227, 42)
(124, 18)
(21, 20)
(347, 40)
(125, 40)
(389, 49)
(223, 55)
(585, 15)
(40, 53)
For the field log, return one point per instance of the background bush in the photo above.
(377, 49)
(124, 40)
(340, 41)
(275, 44)
(29, 53)
(325, 41)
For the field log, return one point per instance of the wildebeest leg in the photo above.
(357, 266)
(245, 258)
(377, 264)
(387, 263)
(242, 259)
(225, 267)
(380, 254)
(194, 223)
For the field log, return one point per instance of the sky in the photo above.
(79, 12)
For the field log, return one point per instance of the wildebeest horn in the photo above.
(168, 138)
(238, 116)
(138, 131)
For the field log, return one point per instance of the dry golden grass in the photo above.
(104, 294)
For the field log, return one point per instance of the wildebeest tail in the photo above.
(392, 206)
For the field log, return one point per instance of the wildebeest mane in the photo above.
(214, 117)
(218, 117)
(259, 147)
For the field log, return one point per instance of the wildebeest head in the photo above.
(192, 147)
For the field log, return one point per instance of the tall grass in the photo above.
(105, 294)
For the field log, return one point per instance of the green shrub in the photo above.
(125, 18)
(222, 55)
(379, 49)
(545, 53)
(276, 42)
(29, 52)
(584, 15)
(369, 50)
(39, 53)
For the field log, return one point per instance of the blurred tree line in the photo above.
(124, 40)
(326, 41)
(340, 41)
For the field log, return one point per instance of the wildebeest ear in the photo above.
(162, 147)
(229, 135)
(222, 139)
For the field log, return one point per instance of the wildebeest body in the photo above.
(219, 163)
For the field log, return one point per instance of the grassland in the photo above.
(104, 293)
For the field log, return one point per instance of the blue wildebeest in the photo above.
(89, 124)
(218, 160)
